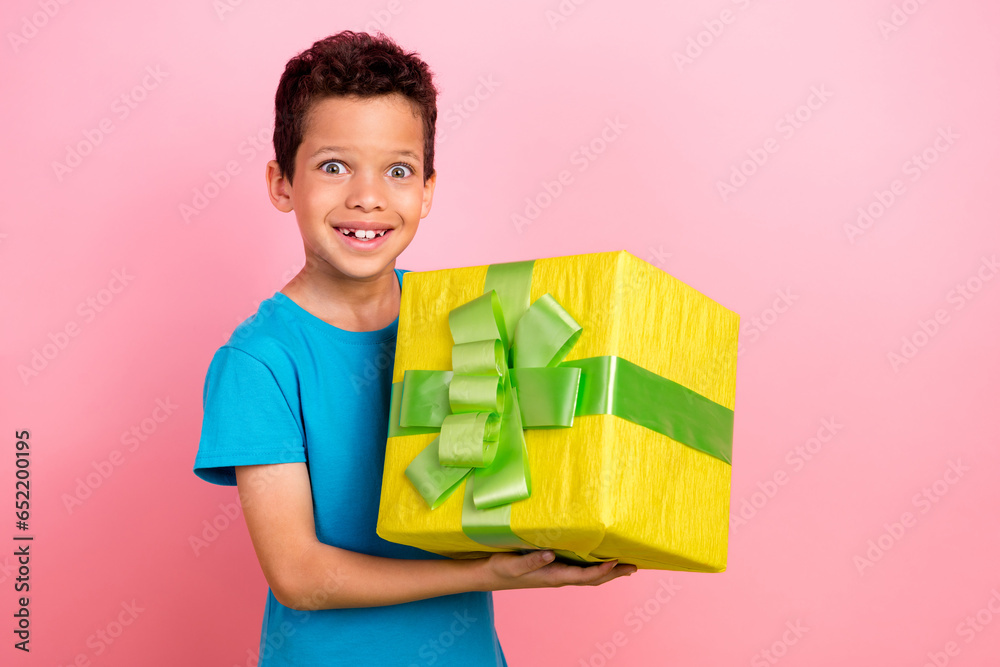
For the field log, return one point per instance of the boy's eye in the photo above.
(400, 170)
(339, 169)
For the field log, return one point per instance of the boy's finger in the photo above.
(542, 558)
(596, 576)
(531, 561)
(582, 576)
(619, 571)
(608, 567)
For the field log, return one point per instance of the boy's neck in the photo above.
(347, 304)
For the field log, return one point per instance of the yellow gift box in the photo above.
(604, 487)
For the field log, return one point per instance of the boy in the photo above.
(292, 416)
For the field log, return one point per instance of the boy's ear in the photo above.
(278, 188)
(428, 194)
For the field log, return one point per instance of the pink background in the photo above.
(852, 299)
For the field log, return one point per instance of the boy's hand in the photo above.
(506, 570)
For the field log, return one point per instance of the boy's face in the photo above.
(359, 170)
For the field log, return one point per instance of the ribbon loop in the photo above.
(469, 439)
(475, 393)
(425, 400)
(544, 335)
(547, 395)
(433, 481)
(508, 479)
(480, 357)
(479, 319)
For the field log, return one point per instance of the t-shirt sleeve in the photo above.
(247, 419)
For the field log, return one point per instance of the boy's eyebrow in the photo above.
(341, 149)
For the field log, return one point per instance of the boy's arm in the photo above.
(306, 574)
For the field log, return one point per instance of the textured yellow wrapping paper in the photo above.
(605, 488)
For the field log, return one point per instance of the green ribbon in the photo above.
(500, 385)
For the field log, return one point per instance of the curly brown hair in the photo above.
(355, 64)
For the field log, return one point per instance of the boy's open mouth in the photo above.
(363, 234)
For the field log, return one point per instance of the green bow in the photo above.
(476, 404)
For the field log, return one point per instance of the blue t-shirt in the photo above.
(288, 387)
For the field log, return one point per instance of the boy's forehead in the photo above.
(387, 123)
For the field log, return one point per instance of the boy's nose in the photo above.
(366, 192)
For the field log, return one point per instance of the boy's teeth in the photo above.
(363, 233)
